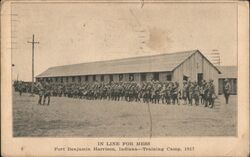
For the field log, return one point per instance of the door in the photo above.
(199, 78)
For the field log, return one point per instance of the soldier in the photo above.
(211, 93)
(149, 92)
(131, 93)
(47, 92)
(168, 93)
(191, 93)
(226, 90)
(121, 91)
(153, 94)
(163, 93)
(126, 92)
(157, 91)
(202, 91)
(40, 90)
(196, 93)
(116, 93)
(185, 92)
(104, 94)
(137, 93)
(175, 91)
(143, 91)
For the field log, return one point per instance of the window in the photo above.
(56, 79)
(169, 77)
(155, 76)
(110, 78)
(131, 77)
(102, 78)
(61, 80)
(185, 78)
(120, 77)
(143, 77)
(94, 77)
(73, 79)
(86, 78)
(79, 79)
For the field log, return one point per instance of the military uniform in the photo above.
(227, 89)
(40, 89)
(211, 94)
(47, 92)
(196, 94)
(185, 92)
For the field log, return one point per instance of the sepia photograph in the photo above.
(124, 78)
(127, 72)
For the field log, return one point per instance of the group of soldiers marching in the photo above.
(167, 92)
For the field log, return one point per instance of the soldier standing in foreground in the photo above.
(40, 90)
(226, 90)
(211, 93)
(47, 92)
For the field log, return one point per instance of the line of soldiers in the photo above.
(147, 92)
(22, 87)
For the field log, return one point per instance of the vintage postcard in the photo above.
(124, 78)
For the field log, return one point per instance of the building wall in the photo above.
(137, 77)
(98, 78)
(126, 77)
(83, 79)
(191, 67)
(194, 65)
(91, 78)
(115, 77)
(106, 78)
(149, 76)
(163, 76)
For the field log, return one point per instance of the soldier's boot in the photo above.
(212, 103)
(40, 100)
(196, 101)
(44, 100)
(48, 101)
(226, 99)
(206, 103)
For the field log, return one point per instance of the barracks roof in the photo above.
(228, 71)
(154, 63)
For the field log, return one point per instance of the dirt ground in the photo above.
(67, 117)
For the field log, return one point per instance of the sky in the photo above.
(70, 33)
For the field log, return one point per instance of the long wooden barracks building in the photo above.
(188, 65)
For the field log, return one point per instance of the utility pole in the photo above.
(33, 42)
